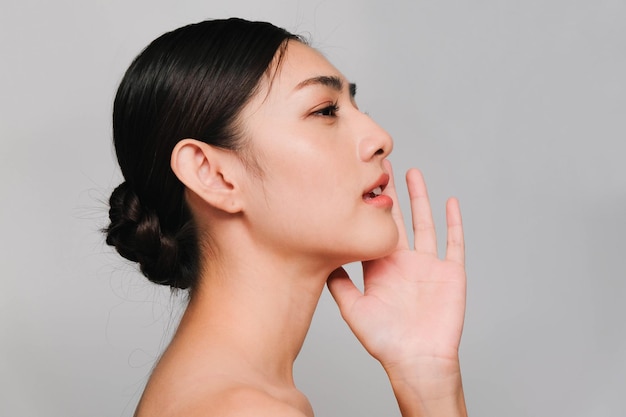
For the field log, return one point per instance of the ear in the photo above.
(204, 169)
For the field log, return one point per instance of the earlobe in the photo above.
(204, 170)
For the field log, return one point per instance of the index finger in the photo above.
(396, 213)
(425, 239)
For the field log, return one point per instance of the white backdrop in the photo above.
(518, 108)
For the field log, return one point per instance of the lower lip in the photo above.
(382, 200)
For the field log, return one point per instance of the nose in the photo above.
(374, 141)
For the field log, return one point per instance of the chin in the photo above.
(388, 245)
(379, 245)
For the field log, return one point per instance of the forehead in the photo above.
(299, 63)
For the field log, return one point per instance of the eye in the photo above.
(328, 111)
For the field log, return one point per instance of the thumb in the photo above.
(343, 290)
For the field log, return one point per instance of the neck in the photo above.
(254, 314)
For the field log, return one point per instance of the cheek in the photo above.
(308, 172)
(311, 186)
(308, 202)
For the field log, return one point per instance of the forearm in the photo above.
(429, 390)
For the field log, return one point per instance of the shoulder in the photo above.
(208, 394)
(243, 402)
(247, 401)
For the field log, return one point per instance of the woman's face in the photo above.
(322, 163)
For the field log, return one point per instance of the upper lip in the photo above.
(381, 182)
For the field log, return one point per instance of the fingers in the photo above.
(455, 251)
(342, 289)
(396, 213)
(423, 224)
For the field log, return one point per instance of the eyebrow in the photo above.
(331, 81)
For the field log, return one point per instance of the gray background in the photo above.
(516, 107)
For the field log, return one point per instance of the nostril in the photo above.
(380, 151)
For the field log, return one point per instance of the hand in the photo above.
(410, 315)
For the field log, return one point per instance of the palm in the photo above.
(413, 302)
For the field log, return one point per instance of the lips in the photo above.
(377, 188)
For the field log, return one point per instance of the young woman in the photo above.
(251, 176)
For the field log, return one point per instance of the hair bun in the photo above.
(135, 232)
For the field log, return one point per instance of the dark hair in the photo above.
(188, 83)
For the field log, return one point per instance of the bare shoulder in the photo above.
(203, 394)
(247, 401)
(244, 401)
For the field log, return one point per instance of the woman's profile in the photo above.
(250, 178)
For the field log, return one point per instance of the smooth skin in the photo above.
(269, 255)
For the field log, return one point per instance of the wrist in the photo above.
(428, 387)
(424, 370)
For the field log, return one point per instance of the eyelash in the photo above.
(328, 111)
